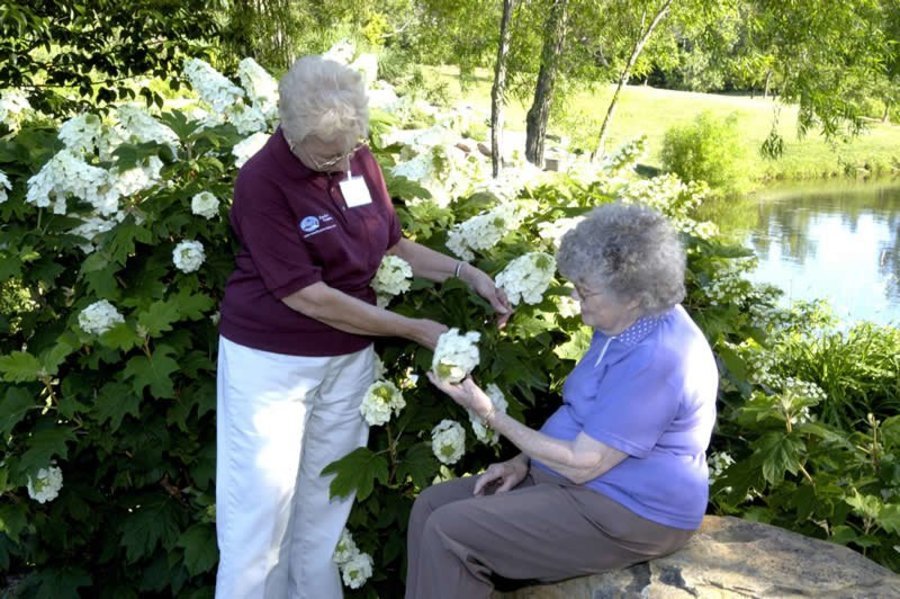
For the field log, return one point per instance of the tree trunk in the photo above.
(498, 91)
(639, 44)
(768, 80)
(539, 113)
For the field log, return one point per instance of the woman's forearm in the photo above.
(425, 262)
(349, 314)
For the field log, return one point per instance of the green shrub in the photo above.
(710, 150)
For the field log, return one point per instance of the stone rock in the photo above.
(730, 557)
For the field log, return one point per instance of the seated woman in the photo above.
(617, 475)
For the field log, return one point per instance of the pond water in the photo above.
(839, 241)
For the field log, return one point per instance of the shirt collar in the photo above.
(639, 330)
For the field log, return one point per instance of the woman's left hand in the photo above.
(467, 394)
(482, 284)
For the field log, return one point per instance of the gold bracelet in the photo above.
(487, 417)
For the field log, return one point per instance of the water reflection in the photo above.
(841, 242)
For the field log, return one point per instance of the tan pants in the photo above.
(546, 529)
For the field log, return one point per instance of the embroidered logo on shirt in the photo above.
(313, 225)
(309, 224)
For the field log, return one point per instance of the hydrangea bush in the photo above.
(115, 249)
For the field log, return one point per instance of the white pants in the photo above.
(281, 419)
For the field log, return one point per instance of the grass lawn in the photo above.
(652, 111)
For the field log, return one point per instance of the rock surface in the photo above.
(730, 557)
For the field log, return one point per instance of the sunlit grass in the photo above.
(650, 111)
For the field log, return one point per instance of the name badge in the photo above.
(355, 191)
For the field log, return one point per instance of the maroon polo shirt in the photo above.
(295, 229)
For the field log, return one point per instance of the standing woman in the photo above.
(314, 220)
(617, 475)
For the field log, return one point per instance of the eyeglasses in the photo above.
(582, 294)
(329, 163)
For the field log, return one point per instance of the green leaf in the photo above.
(43, 445)
(114, 402)
(58, 583)
(159, 317)
(357, 471)
(148, 525)
(192, 306)
(576, 346)
(889, 518)
(419, 464)
(780, 453)
(121, 243)
(199, 544)
(12, 519)
(121, 336)
(13, 409)
(154, 372)
(20, 366)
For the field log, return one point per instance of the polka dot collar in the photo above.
(639, 330)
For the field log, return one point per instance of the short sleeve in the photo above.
(265, 226)
(634, 406)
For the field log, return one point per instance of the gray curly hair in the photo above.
(627, 250)
(323, 98)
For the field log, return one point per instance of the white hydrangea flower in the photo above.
(188, 256)
(357, 570)
(367, 66)
(418, 168)
(137, 179)
(90, 228)
(484, 434)
(247, 119)
(99, 317)
(383, 96)
(67, 174)
(527, 277)
(554, 230)
(346, 548)
(212, 86)
(626, 156)
(456, 355)
(382, 399)
(261, 87)
(485, 230)
(81, 133)
(4, 186)
(448, 441)
(13, 104)
(205, 204)
(141, 127)
(245, 149)
(567, 307)
(46, 484)
(392, 278)
(718, 463)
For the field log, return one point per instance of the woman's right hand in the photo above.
(503, 476)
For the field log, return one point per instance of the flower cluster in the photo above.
(99, 317)
(718, 463)
(4, 186)
(526, 278)
(355, 565)
(13, 105)
(672, 197)
(392, 278)
(456, 355)
(213, 87)
(261, 87)
(81, 134)
(141, 127)
(797, 396)
(382, 399)
(448, 441)
(486, 435)
(92, 226)
(46, 484)
(66, 174)
(554, 230)
(729, 285)
(485, 230)
(243, 150)
(188, 256)
(205, 204)
(626, 156)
